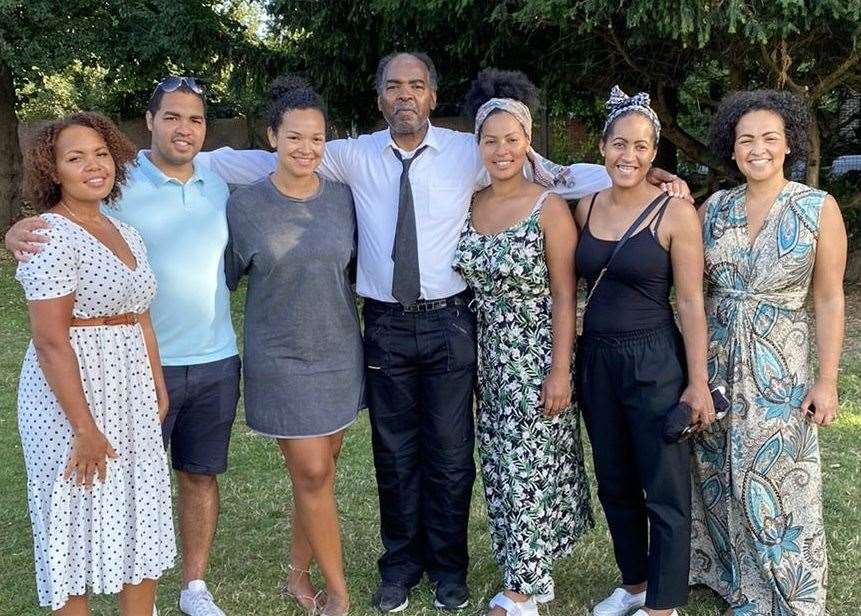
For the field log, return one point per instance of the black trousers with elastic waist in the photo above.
(421, 370)
(626, 383)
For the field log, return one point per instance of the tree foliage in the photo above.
(108, 55)
(687, 53)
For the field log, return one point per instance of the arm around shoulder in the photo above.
(22, 240)
(238, 166)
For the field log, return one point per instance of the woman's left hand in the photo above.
(556, 392)
(698, 396)
(823, 397)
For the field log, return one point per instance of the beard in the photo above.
(405, 124)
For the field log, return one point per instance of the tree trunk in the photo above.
(814, 161)
(693, 148)
(10, 150)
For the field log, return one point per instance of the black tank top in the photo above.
(635, 292)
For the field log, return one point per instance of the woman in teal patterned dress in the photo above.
(516, 252)
(758, 537)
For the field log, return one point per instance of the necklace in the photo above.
(75, 216)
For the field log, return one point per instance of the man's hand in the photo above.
(20, 239)
(163, 403)
(671, 184)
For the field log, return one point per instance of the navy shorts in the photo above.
(203, 399)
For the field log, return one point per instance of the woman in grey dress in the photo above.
(293, 235)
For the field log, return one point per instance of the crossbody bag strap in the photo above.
(627, 235)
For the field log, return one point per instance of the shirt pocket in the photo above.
(445, 202)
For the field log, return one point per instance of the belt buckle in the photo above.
(434, 304)
(426, 305)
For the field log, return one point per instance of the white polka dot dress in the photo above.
(120, 531)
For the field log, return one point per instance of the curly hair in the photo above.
(791, 109)
(494, 83)
(40, 162)
(290, 92)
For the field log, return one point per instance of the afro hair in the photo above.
(493, 83)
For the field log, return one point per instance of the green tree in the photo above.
(128, 44)
(807, 46)
(337, 45)
(687, 53)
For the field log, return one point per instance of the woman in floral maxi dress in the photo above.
(516, 253)
(758, 537)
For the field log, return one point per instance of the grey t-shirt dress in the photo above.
(303, 366)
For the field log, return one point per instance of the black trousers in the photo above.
(625, 385)
(421, 370)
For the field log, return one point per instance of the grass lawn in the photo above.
(249, 558)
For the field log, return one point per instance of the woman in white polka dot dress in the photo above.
(92, 394)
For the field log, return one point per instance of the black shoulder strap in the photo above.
(659, 216)
(635, 225)
(589, 213)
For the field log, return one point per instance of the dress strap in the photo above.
(659, 216)
(589, 212)
(539, 203)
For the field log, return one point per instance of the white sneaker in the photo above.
(196, 601)
(546, 597)
(620, 603)
(512, 608)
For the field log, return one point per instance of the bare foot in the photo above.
(497, 611)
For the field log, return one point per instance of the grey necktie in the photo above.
(406, 282)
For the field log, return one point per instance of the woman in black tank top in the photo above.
(633, 364)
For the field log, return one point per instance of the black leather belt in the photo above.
(428, 305)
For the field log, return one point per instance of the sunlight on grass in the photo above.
(249, 558)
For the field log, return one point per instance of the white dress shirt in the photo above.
(443, 179)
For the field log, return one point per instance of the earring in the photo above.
(789, 151)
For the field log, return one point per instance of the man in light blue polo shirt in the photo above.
(183, 225)
(179, 210)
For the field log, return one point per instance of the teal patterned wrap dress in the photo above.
(758, 538)
(534, 480)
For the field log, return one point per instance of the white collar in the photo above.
(431, 140)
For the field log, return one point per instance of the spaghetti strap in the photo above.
(589, 212)
(539, 203)
(657, 218)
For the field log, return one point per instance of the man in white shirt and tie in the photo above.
(412, 184)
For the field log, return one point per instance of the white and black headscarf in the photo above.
(620, 103)
(544, 172)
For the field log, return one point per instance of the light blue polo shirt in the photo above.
(184, 227)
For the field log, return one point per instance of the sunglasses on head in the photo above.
(174, 82)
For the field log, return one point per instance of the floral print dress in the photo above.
(532, 465)
(758, 538)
